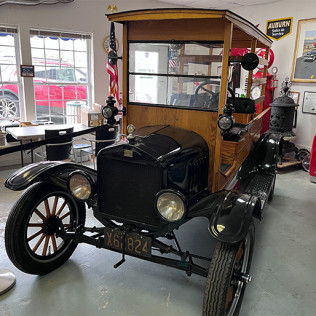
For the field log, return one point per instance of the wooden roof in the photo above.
(243, 29)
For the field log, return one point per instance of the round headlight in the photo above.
(80, 186)
(170, 206)
(107, 112)
(225, 122)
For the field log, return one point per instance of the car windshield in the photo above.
(175, 74)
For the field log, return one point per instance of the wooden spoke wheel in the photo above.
(31, 236)
(227, 277)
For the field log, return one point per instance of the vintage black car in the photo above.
(310, 55)
(186, 159)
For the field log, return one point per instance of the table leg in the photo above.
(22, 160)
(32, 156)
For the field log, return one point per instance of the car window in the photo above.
(65, 74)
(40, 74)
(80, 76)
(8, 73)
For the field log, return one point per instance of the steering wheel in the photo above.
(209, 99)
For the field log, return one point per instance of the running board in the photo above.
(261, 186)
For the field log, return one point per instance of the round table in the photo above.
(7, 280)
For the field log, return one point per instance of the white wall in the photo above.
(284, 51)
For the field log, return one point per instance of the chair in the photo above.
(103, 139)
(56, 150)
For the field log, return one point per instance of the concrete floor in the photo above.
(283, 268)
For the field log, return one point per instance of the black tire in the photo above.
(302, 153)
(222, 284)
(9, 106)
(30, 233)
(306, 162)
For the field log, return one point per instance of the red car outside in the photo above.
(54, 85)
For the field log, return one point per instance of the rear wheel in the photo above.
(227, 277)
(30, 235)
(302, 153)
(306, 162)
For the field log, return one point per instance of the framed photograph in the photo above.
(304, 61)
(27, 71)
(295, 96)
(309, 102)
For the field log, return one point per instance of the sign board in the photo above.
(279, 28)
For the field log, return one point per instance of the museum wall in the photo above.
(284, 52)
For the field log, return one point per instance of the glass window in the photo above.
(175, 74)
(62, 73)
(10, 82)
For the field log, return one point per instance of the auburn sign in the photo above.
(279, 28)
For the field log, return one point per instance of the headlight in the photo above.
(225, 122)
(80, 185)
(107, 112)
(171, 205)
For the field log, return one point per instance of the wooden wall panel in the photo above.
(235, 153)
(242, 118)
(185, 30)
(201, 122)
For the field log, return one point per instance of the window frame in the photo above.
(217, 44)
(14, 29)
(54, 82)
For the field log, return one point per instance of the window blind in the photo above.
(9, 30)
(59, 34)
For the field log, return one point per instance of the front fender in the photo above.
(54, 172)
(229, 214)
(266, 152)
(230, 223)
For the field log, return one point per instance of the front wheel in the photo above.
(30, 234)
(228, 275)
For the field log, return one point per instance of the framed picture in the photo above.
(304, 61)
(27, 71)
(309, 102)
(295, 96)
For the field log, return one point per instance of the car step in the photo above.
(260, 186)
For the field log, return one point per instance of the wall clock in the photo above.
(106, 44)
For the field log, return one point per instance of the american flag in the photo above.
(112, 69)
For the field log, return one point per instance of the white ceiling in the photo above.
(217, 4)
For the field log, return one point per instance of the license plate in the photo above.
(134, 243)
